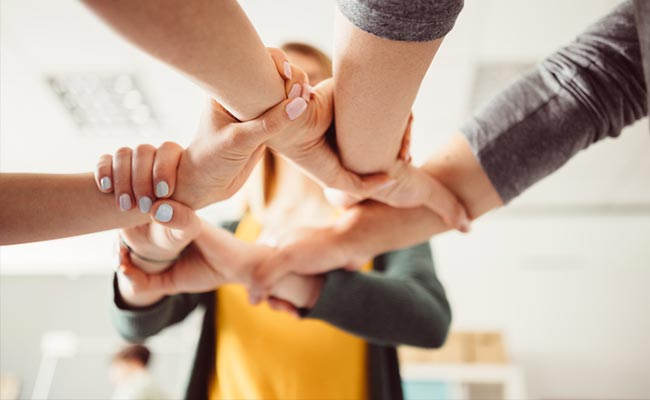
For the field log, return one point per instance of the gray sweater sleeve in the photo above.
(403, 304)
(136, 325)
(583, 93)
(404, 20)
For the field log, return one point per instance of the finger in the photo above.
(122, 178)
(141, 176)
(296, 80)
(338, 198)
(362, 187)
(299, 84)
(251, 134)
(283, 306)
(183, 223)
(404, 152)
(168, 155)
(281, 62)
(440, 200)
(104, 173)
(267, 275)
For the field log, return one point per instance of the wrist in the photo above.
(127, 295)
(150, 262)
(346, 236)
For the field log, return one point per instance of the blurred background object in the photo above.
(9, 387)
(130, 375)
(562, 273)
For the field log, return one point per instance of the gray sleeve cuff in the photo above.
(403, 20)
(138, 324)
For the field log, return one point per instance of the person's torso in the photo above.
(262, 353)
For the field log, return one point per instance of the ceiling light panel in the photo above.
(104, 101)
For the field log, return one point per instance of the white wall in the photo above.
(562, 272)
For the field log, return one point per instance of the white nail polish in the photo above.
(287, 69)
(125, 202)
(162, 189)
(164, 213)
(105, 183)
(145, 204)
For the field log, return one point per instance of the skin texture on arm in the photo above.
(375, 84)
(213, 42)
(48, 206)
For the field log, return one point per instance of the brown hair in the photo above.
(134, 352)
(269, 163)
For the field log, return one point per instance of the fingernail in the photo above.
(296, 107)
(388, 184)
(164, 213)
(465, 226)
(162, 189)
(105, 183)
(145, 204)
(295, 91)
(287, 69)
(125, 202)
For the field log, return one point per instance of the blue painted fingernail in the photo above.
(145, 204)
(162, 189)
(125, 202)
(164, 213)
(105, 183)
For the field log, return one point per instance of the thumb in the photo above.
(183, 223)
(276, 120)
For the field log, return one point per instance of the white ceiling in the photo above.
(44, 37)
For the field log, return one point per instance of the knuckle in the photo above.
(144, 149)
(169, 146)
(123, 152)
(141, 185)
(269, 126)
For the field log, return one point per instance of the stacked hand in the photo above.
(215, 166)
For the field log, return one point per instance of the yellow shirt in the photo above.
(265, 354)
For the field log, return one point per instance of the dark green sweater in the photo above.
(400, 302)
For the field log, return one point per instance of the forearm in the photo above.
(373, 228)
(213, 42)
(36, 207)
(375, 84)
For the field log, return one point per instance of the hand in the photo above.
(410, 187)
(224, 152)
(212, 256)
(309, 145)
(306, 251)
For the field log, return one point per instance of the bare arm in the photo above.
(376, 81)
(374, 228)
(37, 207)
(213, 42)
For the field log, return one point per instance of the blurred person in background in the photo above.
(131, 377)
